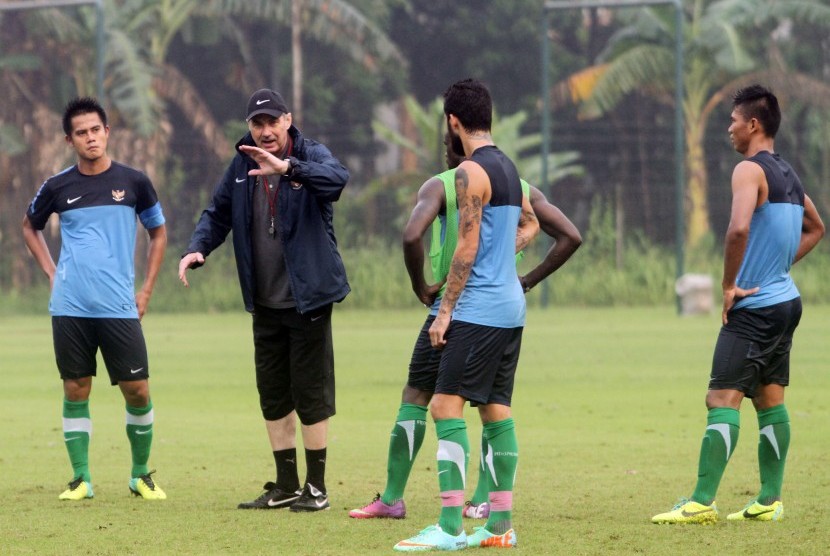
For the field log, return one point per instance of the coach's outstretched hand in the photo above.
(269, 164)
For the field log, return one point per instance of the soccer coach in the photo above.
(290, 273)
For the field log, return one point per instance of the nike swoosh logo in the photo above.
(70, 201)
(263, 101)
(318, 317)
(750, 516)
(138, 370)
(66, 439)
(147, 431)
(444, 471)
(240, 180)
(283, 502)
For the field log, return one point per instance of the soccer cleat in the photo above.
(688, 511)
(146, 487)
(78, 490)
(378, 509)
(477, 511)
(311, 500)
(433, 538)
(483, 538)
(755, 511)
(273, 498)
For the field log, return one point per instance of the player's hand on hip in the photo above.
(438, 330)
(189, 261)
(142, 299)
(731, 296)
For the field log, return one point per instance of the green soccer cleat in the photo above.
(483, 538)
(78, 490)
(688, 511)
(755, 511)
(146, 487)
(433, 538)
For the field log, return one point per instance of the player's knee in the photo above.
(415, 396)
(136, 394)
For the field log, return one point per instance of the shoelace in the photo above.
(75, 483)
(680, 503)
(149, 480)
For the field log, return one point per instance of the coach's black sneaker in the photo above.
(311, 500)
(272, 499)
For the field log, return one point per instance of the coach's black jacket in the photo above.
(315, 269)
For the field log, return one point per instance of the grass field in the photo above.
(609, 411)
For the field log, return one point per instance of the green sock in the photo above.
(723, 425)
(773, 443)
(453, 454)
(404, 443)
(503, 459)
(483, 485)
(77, 430)
(140, 433)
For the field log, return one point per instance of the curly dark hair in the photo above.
(470, 102)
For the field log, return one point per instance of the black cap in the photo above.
(266, 101)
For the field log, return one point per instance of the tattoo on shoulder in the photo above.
(462, 181)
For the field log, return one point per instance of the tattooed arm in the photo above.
(472, 190)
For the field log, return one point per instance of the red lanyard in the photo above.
(272, 200)
(272, 204)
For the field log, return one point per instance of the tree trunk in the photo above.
(697, 205)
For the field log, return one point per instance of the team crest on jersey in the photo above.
(118, 195)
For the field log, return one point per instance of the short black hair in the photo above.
(756, 101)
(471, 103)
(78, 106)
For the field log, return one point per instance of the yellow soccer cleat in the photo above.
(688, 511)
(145, 487)
(755, 511)
(78, 490)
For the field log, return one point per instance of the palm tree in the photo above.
(426, 142)
(142, 83)
(719, 57)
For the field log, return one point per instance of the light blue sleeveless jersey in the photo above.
(774, 236)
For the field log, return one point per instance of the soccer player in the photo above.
(480, 347)
(773, 225)
(93, 301)
(410, 425)
(277, 197)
